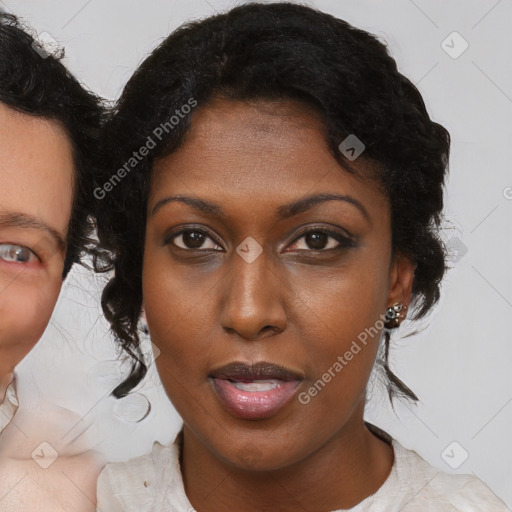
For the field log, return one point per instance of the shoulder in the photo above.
(424, 488)
(465, 491)
(130, 486)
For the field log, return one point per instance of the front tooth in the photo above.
(260, 385)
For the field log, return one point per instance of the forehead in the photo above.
(36, 168)
(261, 150)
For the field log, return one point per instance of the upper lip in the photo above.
(247, 372)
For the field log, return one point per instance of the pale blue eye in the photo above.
(16, 253)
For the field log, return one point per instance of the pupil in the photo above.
(193, 239)
(316, 240)
(20, 255)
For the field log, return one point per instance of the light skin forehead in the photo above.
(36, 168)
(270, 152)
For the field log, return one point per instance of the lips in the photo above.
(256, 391)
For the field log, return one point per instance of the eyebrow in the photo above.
(284, 211)
(22, 220)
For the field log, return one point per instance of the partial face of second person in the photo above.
(36, 176)
(326, 273)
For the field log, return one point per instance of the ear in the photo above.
(401, 280)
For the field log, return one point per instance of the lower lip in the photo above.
(254, 405)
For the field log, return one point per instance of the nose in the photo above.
(253, 299)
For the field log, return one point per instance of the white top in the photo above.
(153, 483)
(8, 406)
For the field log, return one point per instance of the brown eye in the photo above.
(316, 240)
(193, 239)
(321, 240)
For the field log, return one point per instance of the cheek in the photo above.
(342, 302)
(171, 309)
(25, 310)
(180, 323)
(340, 322)
(179, 316)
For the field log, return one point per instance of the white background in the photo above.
(461, 364)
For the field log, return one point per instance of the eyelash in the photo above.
(344, 241)
(11, 252)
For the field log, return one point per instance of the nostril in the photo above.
(268, 330)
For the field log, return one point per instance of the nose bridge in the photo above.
(253, 301)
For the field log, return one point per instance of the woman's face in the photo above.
(36, 176)
(265, 265)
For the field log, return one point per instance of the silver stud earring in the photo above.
(394, 315)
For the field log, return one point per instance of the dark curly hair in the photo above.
(36, 83)
(274, 51)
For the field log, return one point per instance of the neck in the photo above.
(350, 466)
